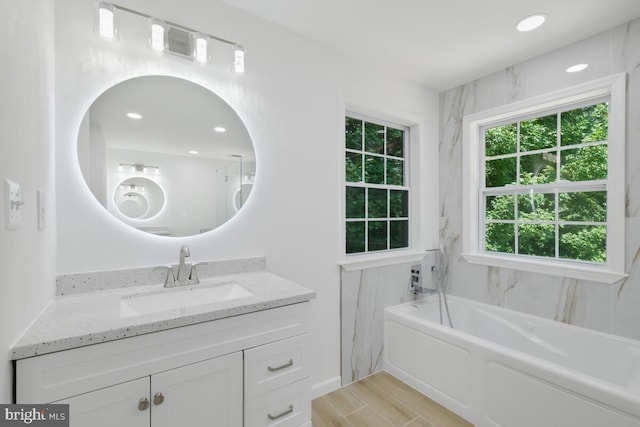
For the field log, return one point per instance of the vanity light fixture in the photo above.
(170, 37)
(134, 116)
(139, 168)
(219, 129)
(531, 22)
(576, 68)
(132, 187)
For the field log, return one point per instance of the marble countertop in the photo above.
(77, 320)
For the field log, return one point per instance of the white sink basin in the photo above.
(177, 298)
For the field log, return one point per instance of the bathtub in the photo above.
(503, 368)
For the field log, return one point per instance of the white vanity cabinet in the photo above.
(250, 370)
(192, 396)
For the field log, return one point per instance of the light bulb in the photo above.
(238, 59)
(201, 53)
(106, 25)
(157, 35)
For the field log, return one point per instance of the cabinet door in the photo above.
(207, 394)
(118, 405)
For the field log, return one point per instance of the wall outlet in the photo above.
(12, 203)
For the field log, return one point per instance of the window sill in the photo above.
(359, 262)
(573, 271)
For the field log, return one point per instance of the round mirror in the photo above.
(165, 155)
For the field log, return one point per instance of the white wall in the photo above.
(292, 100)
(604, 307)
(27, 256)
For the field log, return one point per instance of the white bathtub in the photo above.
(504, 368)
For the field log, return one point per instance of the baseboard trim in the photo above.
(326, 386)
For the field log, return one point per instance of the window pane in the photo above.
(374, 170)
(395, 172)
(374, 138)
(355, 237)
(584, 164)
(500, 238)
(500, 172)
(500, 207)
(537, 239)
(353, 167)
(354, 202)
(538, 133)
(585, 207)
(589, 124)
(395, 142)
(377, 235)
(399, 204)
(500, 140)
(399, 234)
(584, 242)
(353, 134)
(536, 207)
(377, 203)
(538, 168)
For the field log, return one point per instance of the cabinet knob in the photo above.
(143, 404)
(158, 398)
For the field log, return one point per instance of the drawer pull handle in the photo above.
(143, 404)
(278, 368)
(158, 398)
(281, 414)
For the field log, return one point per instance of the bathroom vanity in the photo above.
(238, 360)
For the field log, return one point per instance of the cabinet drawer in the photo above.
(275, 365)
(288, 406)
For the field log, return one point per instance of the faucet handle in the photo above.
(170, 278)
(194, 272)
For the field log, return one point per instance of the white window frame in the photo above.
(406, 159)
(473, 212)
(415, 252)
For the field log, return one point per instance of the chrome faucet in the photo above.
(183, 275)
(187, 274)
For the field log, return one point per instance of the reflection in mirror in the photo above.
(166, 156)
(140, 197)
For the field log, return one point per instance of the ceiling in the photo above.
(442, 43)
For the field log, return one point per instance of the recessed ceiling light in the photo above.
(576, 68)
(531, 22)
(134, 116)
(193, 152)
(219, 129)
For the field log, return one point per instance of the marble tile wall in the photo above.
(609, 308)
(365, 294)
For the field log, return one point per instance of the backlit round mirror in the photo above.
(166, 156)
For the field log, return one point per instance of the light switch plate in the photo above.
(42, 209)
(12, 204)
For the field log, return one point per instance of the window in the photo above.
(546, 177)
(377, 193)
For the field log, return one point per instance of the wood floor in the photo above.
(381, 401)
